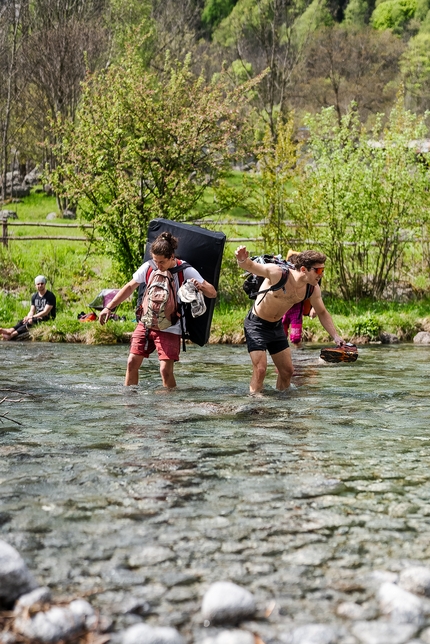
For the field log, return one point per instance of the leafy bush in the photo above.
(393, 14)
(367, 326)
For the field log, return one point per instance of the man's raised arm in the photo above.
(270, 271)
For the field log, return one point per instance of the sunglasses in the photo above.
(319, 270)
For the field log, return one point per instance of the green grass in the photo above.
(77, 272)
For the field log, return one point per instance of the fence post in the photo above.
(4, 230)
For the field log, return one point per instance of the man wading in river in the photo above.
(263, 324)
(148, 336)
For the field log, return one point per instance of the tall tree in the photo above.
(12, 16)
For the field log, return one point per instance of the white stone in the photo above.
(378, 632)
(51, 626)
(423, 337)
(350, 610)
(40, 595)
(235, 636)
(416, 579)
(313, 634)
(15, 579)
(83, 609)
(402, 606)
(225, 602)
(150, 556)
(145, 634)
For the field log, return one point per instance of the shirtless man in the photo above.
(263, 324)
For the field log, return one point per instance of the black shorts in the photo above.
(262, 335)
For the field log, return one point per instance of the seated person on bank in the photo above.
(43, 307)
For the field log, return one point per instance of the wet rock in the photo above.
(416, 579)
(145, 634)
(15, 578)
(225, 602)
(351, 610)
(235, 636)
(312, 555)
(319, 487)
(150, 556)
(379, 632)
(402, 606)
(388, 338)
(136, 605)
(425, 635)
(312, 634)
(423, 337)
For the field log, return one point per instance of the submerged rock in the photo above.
(313, 634)
(225, 602)
(379, 632)
(15, 578)
(145, 634)
(388, 338)
(235, 636)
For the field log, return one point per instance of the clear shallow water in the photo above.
(140, 498)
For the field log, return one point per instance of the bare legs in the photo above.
(132, 374)
(283, 363)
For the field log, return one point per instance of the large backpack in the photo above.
(158, 306)
(253, 283)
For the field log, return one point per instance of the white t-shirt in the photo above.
(189, 273)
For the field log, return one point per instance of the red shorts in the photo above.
(145, 341)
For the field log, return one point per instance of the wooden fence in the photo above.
(7, 237)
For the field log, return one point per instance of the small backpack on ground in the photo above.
(157, 304)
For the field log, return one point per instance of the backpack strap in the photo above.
(179, 269)
(277, 286)
(309, 290)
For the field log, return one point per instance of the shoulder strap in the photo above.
(277, 286)
(309, 290)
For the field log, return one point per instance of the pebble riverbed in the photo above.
(316, 501)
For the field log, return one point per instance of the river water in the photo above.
(139, 498)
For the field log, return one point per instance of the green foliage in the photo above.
(215, 11)
(315, 16)
(9, 270)
(357, 13)
(367, 325)
(360, 200)
(270, 187)
(145, 146)
(415, 69)
(230, 290)
(393, 14)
